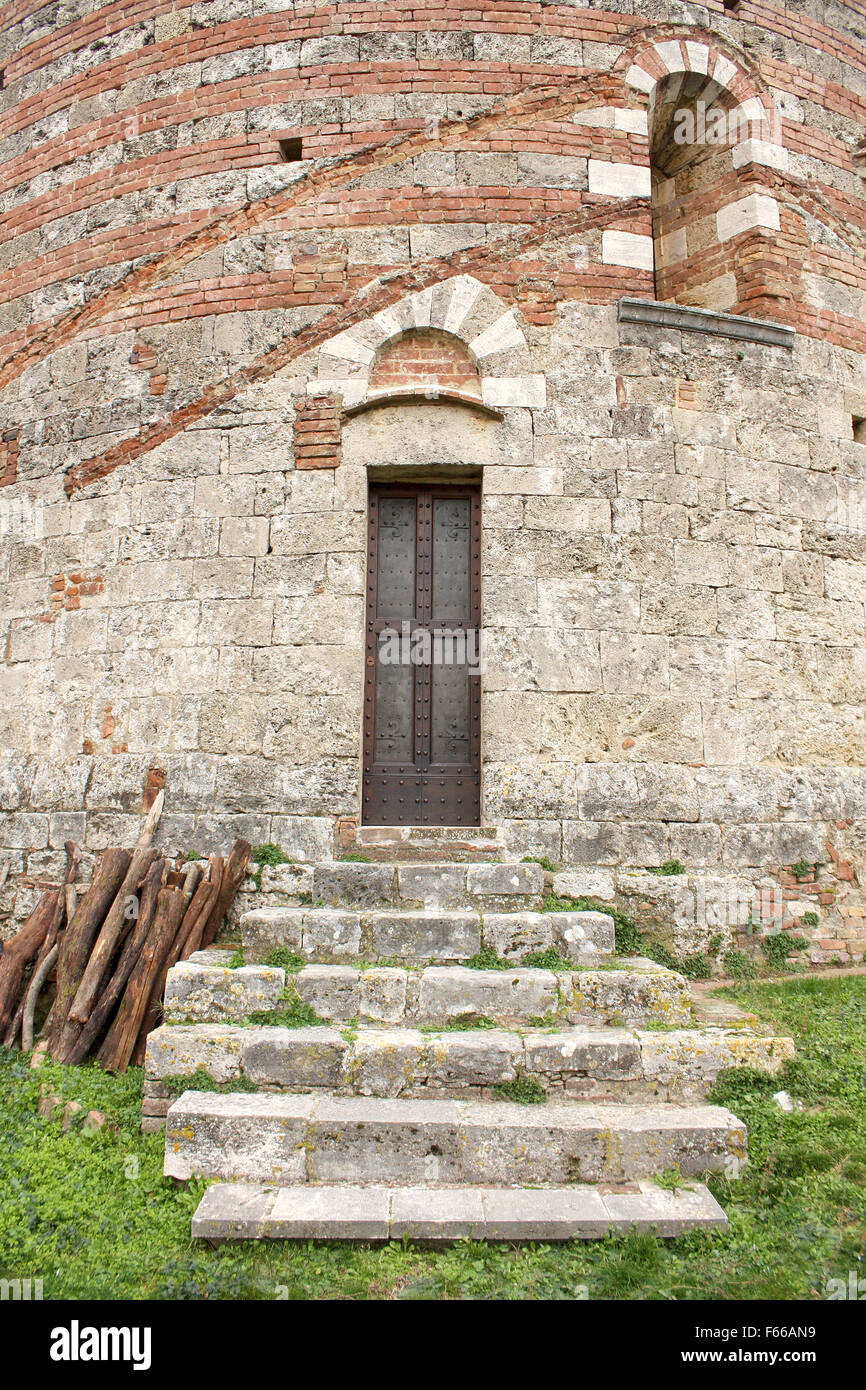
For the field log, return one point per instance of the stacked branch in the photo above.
(111, 951)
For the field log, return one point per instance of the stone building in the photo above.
(546, 320)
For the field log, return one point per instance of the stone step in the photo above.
(242, 1211)
(602, 1063)
(408, 884)
(331, 935)
(289, 1139)
(428, 885)
(639, 993)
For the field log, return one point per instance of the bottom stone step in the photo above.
(240, 1211)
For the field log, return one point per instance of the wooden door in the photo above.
(422, 716)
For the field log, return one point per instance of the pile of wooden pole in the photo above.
(111, 952)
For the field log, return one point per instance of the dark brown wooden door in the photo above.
(422, 688)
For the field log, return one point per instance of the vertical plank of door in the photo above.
(369, 732)
(475, 621)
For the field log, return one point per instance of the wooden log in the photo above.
(232, 878)
(189, 933)
(73, 855)
(117, 918)
(151, 821)
(105, 1004)
(80, 933)
(115, 1053)
(193, 875)
(19, 952)
(197, 914)
(34, 989)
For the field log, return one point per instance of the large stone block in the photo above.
(433, 885)
(694, 1057)
(484, 1058)
(214, 1048)
(383, 994)
(513, 934)
(240, 1136)
(424, 936)
(641, 993)
(356, 885)
(505, 880)
(584, 883)
(450, 993)
(336, 1213)
(359, 1140)
(385, 1062)
(208, 994)
(293, 1059)
(333, 991)
(581, 936)
(328, 935)
(607, 1054)
(267, 928)
(244, 1211)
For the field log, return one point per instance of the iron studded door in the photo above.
(421, 698)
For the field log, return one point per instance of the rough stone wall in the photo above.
(674, 520)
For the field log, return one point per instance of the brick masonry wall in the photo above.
(423, 360)
(674, 523)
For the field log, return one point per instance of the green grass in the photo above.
(488, 959)
(281, 958)
(549, 959)
(525, 1090)
(778, 947)
(291, 1012)
(93, 1216)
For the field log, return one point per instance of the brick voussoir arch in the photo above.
(461, 308)
(723, 79)
(670, 52)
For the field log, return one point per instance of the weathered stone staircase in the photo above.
(400, 1104)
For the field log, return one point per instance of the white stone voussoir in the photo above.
(627, 248)
(756, 210)
(616, 180)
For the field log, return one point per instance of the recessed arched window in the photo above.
(713, 212)
(692, 166)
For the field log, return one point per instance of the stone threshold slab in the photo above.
(239, 1211)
